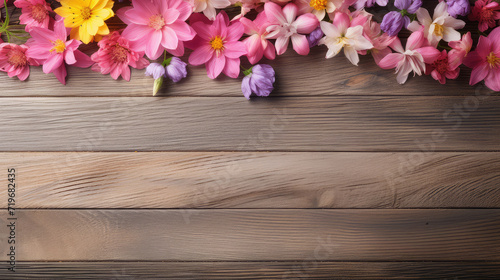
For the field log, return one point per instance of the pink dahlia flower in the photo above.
(485, 61)
(157, 25)
(34, 13)
(14, 61)
(442, 69)
(217, 46)
(414, 58)
(257, 44)
(285, 25)
(115, 56)
(486, 12)
(52, 49)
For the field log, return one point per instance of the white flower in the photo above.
(208, 7)
(441, 27)
(343, 36)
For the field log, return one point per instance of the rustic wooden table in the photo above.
(341, 174)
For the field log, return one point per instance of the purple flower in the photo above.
(458, 7)
(176, 69)
(314, 37)
(259, 79)
(156, 70)
(408, 6)
(393, 22)
(369, 3)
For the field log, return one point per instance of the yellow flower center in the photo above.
(120, 54)
(156, 22)
(17, 58)
(438, 30)
(318, 4)
(59, 46)
(86, 13)
(217, 43)
(39, 12)
(493, 60)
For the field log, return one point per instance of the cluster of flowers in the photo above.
(264, 28)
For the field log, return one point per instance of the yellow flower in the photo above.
(86, 18)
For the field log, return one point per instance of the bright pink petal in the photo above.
(235, 31)
(390, 61)
(342, 21)
(61, 73)
(201, 55)
(274, 13)
(215, 66)
(306, 23)
(202, 30)
(82, 60)
(234, 49)
(169, 39)
(153, 44)
(183, 31)
(69, 57)
(232, 68)
(300, 44)
(479, 73)
(492, 81)
(53, 62)
(430, 54)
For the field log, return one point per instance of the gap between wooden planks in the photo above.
(258, 234)
(232, 124)
(254, 180)
(311, 268)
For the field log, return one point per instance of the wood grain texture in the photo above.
(251, 235)
(254, 180)
(307, 269)
(311, 75)
(229, 124)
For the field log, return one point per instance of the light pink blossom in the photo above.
(460, 49)
(257, 44)
(208, 7)
(285, 25)
(412, 59)
(339, 35)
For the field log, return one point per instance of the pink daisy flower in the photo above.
(217, 46)
(35, 13)
(14, 61)
(157, 25)
(52, 49)
(114, 57)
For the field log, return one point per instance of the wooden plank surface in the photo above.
(229, 124)
(311, 268)
(254, 180)
(256, 235)
(311, 75)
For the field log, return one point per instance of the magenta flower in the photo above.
(157, 25)
(115, 56)
(413, 59)
(51, 49)
(257, 44)
(486, 12)
(34, 13)
(285, 26)
(442, 69)
(14, 61)
(217, 46)
(485, 61)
